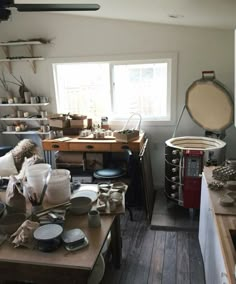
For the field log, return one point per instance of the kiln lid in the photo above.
(209, 103)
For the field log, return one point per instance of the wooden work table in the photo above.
(61, 266)
(75, 143)
(224, 223)
(143, 181)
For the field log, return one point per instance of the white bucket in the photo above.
(58, 190)
(38, 170)
(36, 176)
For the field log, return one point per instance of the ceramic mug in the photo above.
(34, 100)
(43, 99)
(27, 96)
(94, 219)
(43, 113)
(10, 128)
(16, 100)
(20, 113)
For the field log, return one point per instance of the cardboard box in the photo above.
(126, 135)
(79, 123)
(59, 123)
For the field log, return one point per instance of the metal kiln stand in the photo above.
(211, 107)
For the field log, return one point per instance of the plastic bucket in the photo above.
(36, 175)
(38, 170)
(59, 190)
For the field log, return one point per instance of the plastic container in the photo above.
(38, 170)
(36, 176)
(59, 190)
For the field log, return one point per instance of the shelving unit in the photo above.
(30, 47)
(25, 119)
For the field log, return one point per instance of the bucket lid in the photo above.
(209, 103)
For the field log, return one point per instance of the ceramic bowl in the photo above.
(121, 186)
(116, 197)
(80, 205)
(11, 222)
(48, 237)
(104, 186)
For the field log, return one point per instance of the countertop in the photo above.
(224, 224)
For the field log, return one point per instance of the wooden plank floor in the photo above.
(172, 217)
(150, 256)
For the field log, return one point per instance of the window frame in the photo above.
(170, 57)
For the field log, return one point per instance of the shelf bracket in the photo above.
(33, 65)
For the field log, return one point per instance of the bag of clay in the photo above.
(15, 199)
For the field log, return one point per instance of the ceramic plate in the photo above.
(93, 195)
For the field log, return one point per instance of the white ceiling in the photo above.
(200, 13)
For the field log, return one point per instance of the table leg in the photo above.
(116, 242)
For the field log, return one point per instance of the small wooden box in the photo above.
(79, 123)
(59, 123)
(126, 135)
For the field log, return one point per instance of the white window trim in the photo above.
(128, 58)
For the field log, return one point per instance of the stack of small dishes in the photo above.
(74, 239)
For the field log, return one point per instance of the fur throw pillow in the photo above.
(25, 148)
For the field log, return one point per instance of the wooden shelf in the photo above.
(16, 43)
(29, 45)
(23, 118)
(15, 105)
(25, 132)
(21, 59)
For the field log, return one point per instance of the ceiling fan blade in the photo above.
(56, 7)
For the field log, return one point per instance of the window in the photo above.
(116, 89)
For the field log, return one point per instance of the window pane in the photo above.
(83, 88)
(141, 88)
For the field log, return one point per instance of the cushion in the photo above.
(7, 165)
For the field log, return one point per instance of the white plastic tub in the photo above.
(59, 190)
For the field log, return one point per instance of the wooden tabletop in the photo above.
(74, 143)
(60, 266)
(81, 259)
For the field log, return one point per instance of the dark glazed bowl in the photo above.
(48, 237)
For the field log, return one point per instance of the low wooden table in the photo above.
(62, 266)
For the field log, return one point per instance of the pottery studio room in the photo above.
(117, 142)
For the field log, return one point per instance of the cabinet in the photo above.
(28, 120)
(215, 270)
(30, 48)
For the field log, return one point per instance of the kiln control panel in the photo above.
(193, 166)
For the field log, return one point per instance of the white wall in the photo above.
(198, 50)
